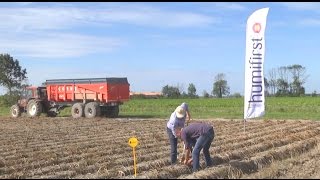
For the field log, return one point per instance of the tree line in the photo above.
(286, 81)
(281, 81)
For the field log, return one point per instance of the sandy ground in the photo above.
(306, 166)
(98, 148)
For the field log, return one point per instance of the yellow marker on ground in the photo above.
(133, 142)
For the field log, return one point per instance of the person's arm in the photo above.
(175, 127)
(189, 117)
(174, 132)
(187, 155)
(173, 124)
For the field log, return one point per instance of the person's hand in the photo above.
(188, 121)
(182, 159)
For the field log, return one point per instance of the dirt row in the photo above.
(98, 148)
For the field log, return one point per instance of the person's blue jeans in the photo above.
(203, 142)
(173, 144)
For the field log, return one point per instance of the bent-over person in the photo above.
(202, 134)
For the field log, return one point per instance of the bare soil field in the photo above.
(98, 148)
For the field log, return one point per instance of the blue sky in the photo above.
(155, 44)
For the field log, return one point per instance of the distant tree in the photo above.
(184, 95)
(180, 88)
(266, 85)
(283, 87)
(205, 94)
(171, 91)
(236, 95)
(289, 81)
(192, 90)
(220, 86)
(299, 78)
(11, 73)
(272, 81)
(283, 82)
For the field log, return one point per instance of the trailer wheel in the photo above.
(92, 110)
(15, 111)
(113, 111)
(77, 110)
(103, 111)
(34, 108)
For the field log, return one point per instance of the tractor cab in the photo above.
(33, 92)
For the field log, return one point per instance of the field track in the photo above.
(98, 148)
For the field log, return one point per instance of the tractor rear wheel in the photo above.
(34, 108)
(15, 111)
(77, 110)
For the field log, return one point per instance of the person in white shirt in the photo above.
(177, 120)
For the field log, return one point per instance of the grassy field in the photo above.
(229, 108)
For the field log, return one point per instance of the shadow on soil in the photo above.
(138, 116)
(126, 116)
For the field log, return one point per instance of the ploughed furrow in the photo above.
(264, 146)
(50, 151)
(81, 142)
(20, 128)
(260, 127)
(125, 161)
(236, 168)
(54, 158)
(98, 148)
(68, 135)
(251, 126)
(244, 153)
(238, 127)
(253, 139)
(85, 142)
(224, 126)
(250, 135)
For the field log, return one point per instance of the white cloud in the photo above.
(41, 31)
(56, 45)
(229, 6)
(22, 18)
(19, 19)
(310, 22)
(303, 6)
(148, 15)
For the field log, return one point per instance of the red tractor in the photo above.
(89, 97)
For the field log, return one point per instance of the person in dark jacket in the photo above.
(202, 134)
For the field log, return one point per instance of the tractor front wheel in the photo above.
(15, 111)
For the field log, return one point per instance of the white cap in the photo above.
(180, 112)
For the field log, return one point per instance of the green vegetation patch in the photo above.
(203, 108)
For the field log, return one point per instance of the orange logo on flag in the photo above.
(256, 27)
